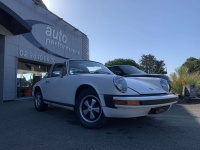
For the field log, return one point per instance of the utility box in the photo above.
(189, 91)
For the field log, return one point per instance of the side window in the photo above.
(57, 70)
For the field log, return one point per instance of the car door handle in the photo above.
(47, 81)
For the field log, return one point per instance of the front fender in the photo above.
(103, 84)
(38, 85)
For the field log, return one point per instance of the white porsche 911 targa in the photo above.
(95, 93)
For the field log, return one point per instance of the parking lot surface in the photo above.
(22, 127)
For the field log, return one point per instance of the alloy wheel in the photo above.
(90, 109)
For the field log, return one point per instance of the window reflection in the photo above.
(28, 73)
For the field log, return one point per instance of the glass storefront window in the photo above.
(28, 73)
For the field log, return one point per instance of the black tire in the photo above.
(89, 110)
(38, 101)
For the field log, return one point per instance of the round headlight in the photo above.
(120, 84)
(164, 84)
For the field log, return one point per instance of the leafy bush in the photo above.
(182, 77)
(121, 61)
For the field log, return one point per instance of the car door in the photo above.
(57, 85)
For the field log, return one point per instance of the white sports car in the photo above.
(95, 93)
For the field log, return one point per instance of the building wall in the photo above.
(50, 40)
(2, 41)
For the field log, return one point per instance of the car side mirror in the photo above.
(56, 74)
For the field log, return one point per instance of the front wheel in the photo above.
(38, 101)
(89, 110)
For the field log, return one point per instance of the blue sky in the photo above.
(167, 29)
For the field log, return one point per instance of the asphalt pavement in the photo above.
(23, 128)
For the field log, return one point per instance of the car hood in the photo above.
(143, 87)
(148, 75)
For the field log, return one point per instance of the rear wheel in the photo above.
(38, 101)
(89, 110)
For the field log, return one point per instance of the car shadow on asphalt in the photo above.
(177, 128)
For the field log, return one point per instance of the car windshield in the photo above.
(127, 69)
(84, 66)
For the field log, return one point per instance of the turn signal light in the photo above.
(122, 102)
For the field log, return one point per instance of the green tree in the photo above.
(121, 61)
(150, 64)
(192, 64)
(160, 67)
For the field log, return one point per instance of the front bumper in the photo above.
(135, 106)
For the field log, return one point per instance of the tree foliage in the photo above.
(150, 64)
(160, 67)
(121, 61)
(192, 64)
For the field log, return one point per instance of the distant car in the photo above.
(95, 93)
(159, 80)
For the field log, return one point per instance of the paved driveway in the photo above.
(21, 127)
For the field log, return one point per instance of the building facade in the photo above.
(31, 39)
